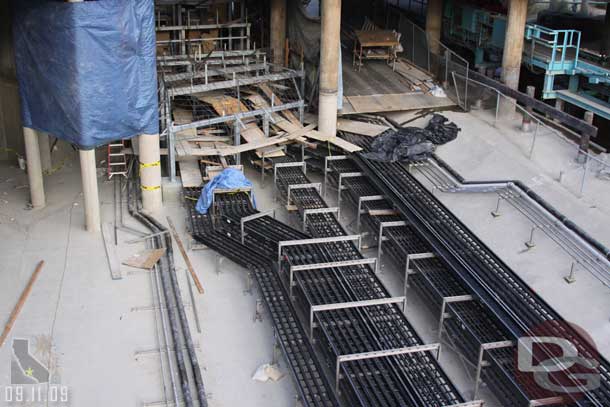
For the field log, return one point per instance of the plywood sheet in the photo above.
(362, 128)
(190, 174)
(393, 103)
(145, 259)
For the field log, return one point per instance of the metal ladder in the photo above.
(117, 162)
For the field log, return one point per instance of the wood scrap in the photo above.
(362, 128)
(20, 303)
(185, 256)
(146, 259)
(392, 103)
(190, 174)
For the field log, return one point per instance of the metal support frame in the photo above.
(319, 240)
(231, 118)
(384, 225)
(321, 266)
(366, 199)
(307, 212)
(408, 271)
(382, 353)
(340, 187)
(481, 362)
(327, 170)
(316, 185)
(445, 315)
(244, 220)
(234, 82)
(347, 305)
(285, 165)
(230, 191)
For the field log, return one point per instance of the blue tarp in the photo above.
(230, 178)
(87, 71)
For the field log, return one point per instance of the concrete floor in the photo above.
(102, 331)
(100, 334)
(486, 152)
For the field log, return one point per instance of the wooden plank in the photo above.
(190, 174)
(185, 256)
(362, 128)
(393, 103)
(146, 259)
(20, 303)
(111, 254)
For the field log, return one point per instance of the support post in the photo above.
(434, 20)
(32, 152)
(329, 67)
(45, 151)
(584, 141)
(150, 172)
(526, 124)
(278, 30)
(513, 50)
(90, 193)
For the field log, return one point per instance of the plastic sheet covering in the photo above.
(230, 178)
(413, 143)
(87, 70)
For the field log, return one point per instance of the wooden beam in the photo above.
(20, 303)
(185, 256)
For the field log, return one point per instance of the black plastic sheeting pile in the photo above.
(413, 143)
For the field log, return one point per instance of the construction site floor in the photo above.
(484, 152)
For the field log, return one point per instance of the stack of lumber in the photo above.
(414, 77)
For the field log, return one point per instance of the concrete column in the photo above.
(434, 23)
(329, 67)
(513, 42)
(45, 151)
(150, 172)
(513, 48)
(278, 30)
(88, 171)
(605, 47)
(32, 152)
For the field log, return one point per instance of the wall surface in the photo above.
(10, 119)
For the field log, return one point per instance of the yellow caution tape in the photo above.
(155, 164)
(145, 188)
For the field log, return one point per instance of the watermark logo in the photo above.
(25, 367)
(557, 360)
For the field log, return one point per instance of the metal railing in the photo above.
(432, 56)
(548, 147)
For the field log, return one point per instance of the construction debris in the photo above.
(145, 259)
(268, 372)
(20, 303)
(413, 143)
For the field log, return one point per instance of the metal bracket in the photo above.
(444, 315)
(242, 221)
(321, 266)
(327, 170)
(485, 347)
(382, 353)
(347, 305)
(365, 199)
(383, 225)
(340, 188)
(318, 210)
(316, 185)
(410, 257)
(319, 240)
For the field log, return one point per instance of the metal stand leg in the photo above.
(496, 213)
(258, 314)
(530, 243)
(570, 279)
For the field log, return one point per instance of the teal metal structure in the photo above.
(556, 52)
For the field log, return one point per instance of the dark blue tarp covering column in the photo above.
(86, 71)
